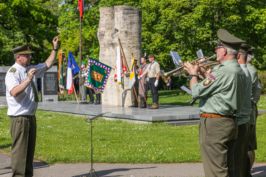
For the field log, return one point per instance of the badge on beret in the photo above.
(12, 70)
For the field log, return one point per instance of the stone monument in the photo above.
(124, 23)
(50, 85)
(3, 70)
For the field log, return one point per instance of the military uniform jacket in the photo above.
(256, 91)
(24, 103)
(221, 91)
(244, 111)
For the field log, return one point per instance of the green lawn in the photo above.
(65, 138)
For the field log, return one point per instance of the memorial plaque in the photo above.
(50, 83)
(2, 85)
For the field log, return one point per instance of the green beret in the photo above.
(229, 40)
(25, 49)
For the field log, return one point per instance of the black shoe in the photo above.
(91, 102)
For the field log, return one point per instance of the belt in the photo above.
(213, 115)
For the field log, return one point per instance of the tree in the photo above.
(25, 22)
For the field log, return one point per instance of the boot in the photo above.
(154, 106)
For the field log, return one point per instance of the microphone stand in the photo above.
(92, 172)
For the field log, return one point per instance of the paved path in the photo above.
(118, 170)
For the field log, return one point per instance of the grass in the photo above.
(65, 138)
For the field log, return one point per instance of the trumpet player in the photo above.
(220, 95)
(243, 118)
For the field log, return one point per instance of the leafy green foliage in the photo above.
(25, 22)
(184, 26)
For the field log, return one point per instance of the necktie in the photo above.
(35, 93)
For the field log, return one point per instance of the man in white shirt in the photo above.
(22, 101)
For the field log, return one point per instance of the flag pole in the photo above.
(80, 53)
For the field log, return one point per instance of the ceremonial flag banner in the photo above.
(97, 75)
(118, 65)
(132, 76)
(81, 7)
(72, 70)
(60, 71)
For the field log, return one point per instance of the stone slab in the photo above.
(164, 113)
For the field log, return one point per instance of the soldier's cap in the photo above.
(229, 40)
(24, 49)
(251, 50)
(244, 48)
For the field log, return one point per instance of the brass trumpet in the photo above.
(203, 62)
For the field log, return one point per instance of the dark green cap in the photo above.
(251, 50)
(229, 40)
(24, 49)
(244, 48)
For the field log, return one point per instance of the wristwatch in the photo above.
(193, 75)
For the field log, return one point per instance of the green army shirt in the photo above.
(221, 91)
(244, 111)
(256, 90)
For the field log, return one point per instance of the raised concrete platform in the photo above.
(167, 113)
(164, 113)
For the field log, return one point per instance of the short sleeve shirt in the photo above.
(22, 104)
(220, 92)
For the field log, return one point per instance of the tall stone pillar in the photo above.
(124, 23)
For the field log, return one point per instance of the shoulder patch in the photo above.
(12, 70)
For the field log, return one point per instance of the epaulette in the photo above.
(12, 70)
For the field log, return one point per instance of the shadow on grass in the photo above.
(259, 171)
(108, 172)
(177, 103)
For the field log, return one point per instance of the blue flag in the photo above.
(72, 64)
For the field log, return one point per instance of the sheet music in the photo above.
(184, 88)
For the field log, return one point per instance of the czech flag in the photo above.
(72, 70)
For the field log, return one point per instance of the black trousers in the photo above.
(154, 90)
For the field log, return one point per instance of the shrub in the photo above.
(262, 77)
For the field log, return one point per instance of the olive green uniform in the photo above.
(243, 118)
(255, 95)
(220, 93)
